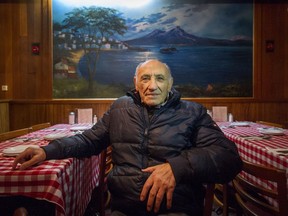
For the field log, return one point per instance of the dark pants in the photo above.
(33, 206)
(118, 213)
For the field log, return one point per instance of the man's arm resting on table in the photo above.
(28, 158)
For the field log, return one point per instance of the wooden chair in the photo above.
(108, 168)
(254, 199)
(224, 197)
(270, 124)
(208, 202)
(14, 133)
(100, 198)
(21, 211)
(40, 126)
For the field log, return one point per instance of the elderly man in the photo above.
(164, 148)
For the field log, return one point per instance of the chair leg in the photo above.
(225, 200)
(20, 212)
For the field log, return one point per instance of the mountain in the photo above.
(178, 36)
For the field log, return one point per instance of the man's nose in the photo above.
(153, 84)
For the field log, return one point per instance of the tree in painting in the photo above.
(98, 24)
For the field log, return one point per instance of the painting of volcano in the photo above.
(208, 46)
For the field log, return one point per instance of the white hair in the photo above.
(141, 63)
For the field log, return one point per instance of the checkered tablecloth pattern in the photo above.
(67, 183)
(257, 151)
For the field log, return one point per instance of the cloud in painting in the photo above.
(201, 18)
(205, 20)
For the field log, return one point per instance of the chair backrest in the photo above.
(84, 115)
(270, 124)
(40, 126)
(21, 211)
(14, 133)
(208, 202)
(224, 198)
(100, 195)
(220, 113)
(254, 199)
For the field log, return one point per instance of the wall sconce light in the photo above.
(270, 46)
(36, 48)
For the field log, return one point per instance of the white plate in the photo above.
(13, 151)
(79, 128)
(271, 131)
(55, 136)
(240, 124)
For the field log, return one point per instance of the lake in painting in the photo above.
(189, 65)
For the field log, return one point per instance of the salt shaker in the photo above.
(71, 118)
(94, 119)
(209, 112)
(230, 117)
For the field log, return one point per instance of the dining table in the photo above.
(260, 144)
(66, 183)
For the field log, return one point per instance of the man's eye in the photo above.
(145, 78)
(160, 78)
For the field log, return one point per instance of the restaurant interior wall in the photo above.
(29, 76)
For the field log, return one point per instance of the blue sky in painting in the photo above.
(213, 20)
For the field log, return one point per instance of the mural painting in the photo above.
(98, 44)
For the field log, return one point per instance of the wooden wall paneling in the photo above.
(4, 116)
(278, 63)
(276, 112)
(19, 72)
(38, 114)
(29, 61)
(46, 84)
(33, 61)
(253, 110)
(285, 116)
(6, 50)
(18, 116)
(285, 45)
(257, 51)
(241, 111)
(59, 113)
(42, 34)
(272, 68)
(32, 74)
(23, 32)
(27, 113)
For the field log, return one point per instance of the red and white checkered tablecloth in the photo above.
(258, 150)
(67, 183)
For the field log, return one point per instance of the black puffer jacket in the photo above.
(180, 132)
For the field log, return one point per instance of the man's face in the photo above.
(153, 81)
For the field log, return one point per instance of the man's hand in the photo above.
(161, 182)
(29, 157)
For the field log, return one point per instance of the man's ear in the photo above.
(170, 84)
(135, 83)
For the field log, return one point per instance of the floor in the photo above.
(217, 211)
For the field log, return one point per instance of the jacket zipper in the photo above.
(144, 146)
